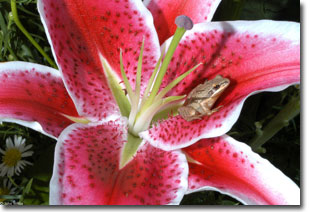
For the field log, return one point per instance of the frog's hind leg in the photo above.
(215, 110)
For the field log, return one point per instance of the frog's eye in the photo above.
(216, 86)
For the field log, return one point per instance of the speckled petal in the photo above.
(256, 56)
(81, 31)
(34, 96)
(86, 169)
(165, 12)
(231, 167)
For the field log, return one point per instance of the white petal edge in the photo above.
(30, 124)
(285, 30)
(213, 9)
(184, 179)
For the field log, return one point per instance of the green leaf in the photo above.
(28, 187)
(117, 90)
(130, 149)
(9, 197)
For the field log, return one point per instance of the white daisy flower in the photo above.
(12, 162)
(6, 188)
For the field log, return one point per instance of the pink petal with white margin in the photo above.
(251, 54)
(86, 169)
(165, 12)
(80, 31)
(34, 96)
(231, 167)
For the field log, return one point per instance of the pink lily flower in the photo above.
(108, 149)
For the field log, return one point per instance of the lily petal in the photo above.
(255, 56)
(165, 12)
(86, 169)
(34, 96)
(231, 167)
(89, 31)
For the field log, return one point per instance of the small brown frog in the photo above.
(201, 99)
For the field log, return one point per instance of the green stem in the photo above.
(162, 71)
(139, 70)
(171, 85)
(290, 110)
(26, 33)
(163, 68)
(151, 80)
(12, 52)
(6, 132)
(13, 182)
(10, 197)
(125, 79)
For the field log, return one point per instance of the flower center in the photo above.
(141, 110)
(11, 157)
(152, 102)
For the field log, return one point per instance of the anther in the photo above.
(184, 21)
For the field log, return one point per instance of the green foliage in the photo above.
(13, 44)
(288, 10)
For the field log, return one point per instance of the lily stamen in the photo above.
(143, 111)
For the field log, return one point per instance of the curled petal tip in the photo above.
(184, 21)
